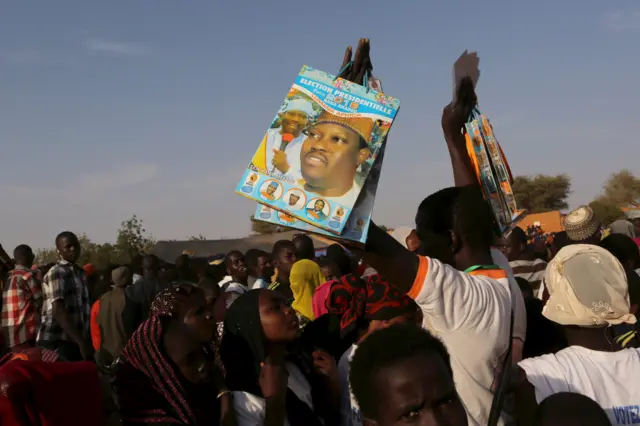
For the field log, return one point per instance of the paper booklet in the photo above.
(357, 225)
(318, 152)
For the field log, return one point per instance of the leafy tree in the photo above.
(622, 189)
(198, 237)
(606, 210)
(44, 256)
(384, 228)
(260, 227)
(542, 193)
(132, 239)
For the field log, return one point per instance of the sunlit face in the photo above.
(420, 391)
(278, 319)
(330, 156)
(294, 122)
(236, 266)
(69, 248)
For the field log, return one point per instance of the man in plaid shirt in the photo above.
(66, 308)
(21, 302)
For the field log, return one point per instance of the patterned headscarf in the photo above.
(354, 299)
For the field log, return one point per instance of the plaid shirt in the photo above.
(66, 282)
(21, 303)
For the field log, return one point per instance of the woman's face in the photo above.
(278, 319)
(199, 317)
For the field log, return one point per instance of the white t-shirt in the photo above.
(250, 409)
(609, 378)
(519, 309)
(471, 313)
(350, 414)
(229, 285)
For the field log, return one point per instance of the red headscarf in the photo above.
(50, 394)
(352, 299)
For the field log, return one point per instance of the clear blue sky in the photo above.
(154, 107)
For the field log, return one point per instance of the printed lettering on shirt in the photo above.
(627, 415)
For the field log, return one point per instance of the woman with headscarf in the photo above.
(166, 373)
(364, 307)
(305, 277)
(270, 385)
(589, 297)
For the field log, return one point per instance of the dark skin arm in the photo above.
(525, 396)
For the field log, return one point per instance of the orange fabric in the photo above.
(93, 325)
(423, 268)
(496, 274)
(89, 269)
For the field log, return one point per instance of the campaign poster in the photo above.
(357, 225)
(318, 152)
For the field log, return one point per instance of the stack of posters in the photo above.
(317, 167)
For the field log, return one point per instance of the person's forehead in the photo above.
(416, 372)
(68, 241)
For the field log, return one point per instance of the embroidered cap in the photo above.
(587, 287)
(363, 126)
(581, 224)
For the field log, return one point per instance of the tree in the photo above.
(622, 189)
(132, 240)
(606, 210)
(384, 228)
(259, 227)
(198, 237)
(542, 193)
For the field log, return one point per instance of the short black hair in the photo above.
(525, 288)
(227, 258)
(304, 247)
(384, 348)
(281, 245)
(65, 234)
(251, 258)
(459, 209)
(623, 248)
(21, 252)
(339, 256)
(570, 408)
(519, 235)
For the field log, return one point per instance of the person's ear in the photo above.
(363, 155)
(456, 242)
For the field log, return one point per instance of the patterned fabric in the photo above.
(354, 299)
(66, 282)
(31, 354)
(148, 387)
(21, 303)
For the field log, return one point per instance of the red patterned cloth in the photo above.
(352, 299)
(21, 303)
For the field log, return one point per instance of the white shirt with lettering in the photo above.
(609, 378)
(471, 314)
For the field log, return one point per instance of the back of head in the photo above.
(339, 256)
(570, 409)
(23, 255)
(623, 227)
(383, 349)
(624, 249)
(304, 247)
(582, 226)
(587, 287)
(461, 210)
(281, 245)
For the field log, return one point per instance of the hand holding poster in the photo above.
(319, 149)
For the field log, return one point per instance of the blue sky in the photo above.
(154, 107)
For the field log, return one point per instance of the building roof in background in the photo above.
(549, 221)
(170, 250)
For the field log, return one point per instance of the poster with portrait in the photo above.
(492, 169)
(356, 226)
(316, 156)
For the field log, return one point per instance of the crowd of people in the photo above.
(440, 323)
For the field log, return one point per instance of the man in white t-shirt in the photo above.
(466, 299)
(589, 296)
